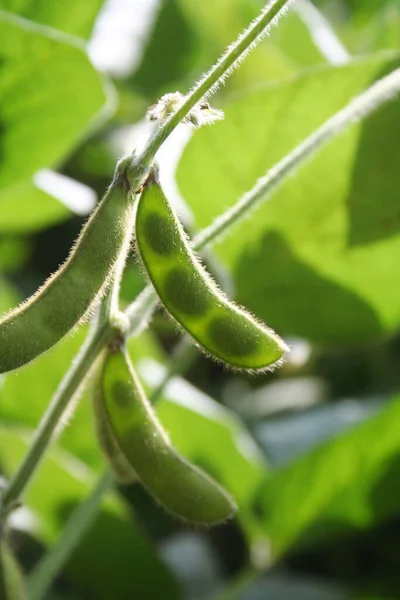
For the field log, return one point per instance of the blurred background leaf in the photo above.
(71, 17)
(346, 484)
(102, 565)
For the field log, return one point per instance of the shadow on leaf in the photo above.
(295, 299)
(374, 199)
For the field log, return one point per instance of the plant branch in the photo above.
(209, 83)
(73, 532)
(180, 360)
(45, 432)
(362, 106)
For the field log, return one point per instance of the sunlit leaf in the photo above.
(24, 207)
(69, 16)
(346, 485)
(49, 95)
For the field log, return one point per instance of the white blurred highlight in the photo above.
(120, 33)
(24, 519)
(322, 33)
(300, 352)
(77, 196)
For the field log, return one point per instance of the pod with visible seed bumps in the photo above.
(11, 581)
(70, 293)
(224, 330)
(120, 466)
(182, 488)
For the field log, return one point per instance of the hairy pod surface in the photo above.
(120, 466)
(221, 328)
(69, 294)
(182, 488)
(11, 580)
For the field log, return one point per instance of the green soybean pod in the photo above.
(69, 294)
(120, 466)
(223, 329)
(11, 580)
(180, 487)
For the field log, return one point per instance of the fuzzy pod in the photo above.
(69, 294)
(180, 487)
(220, 327)
(119, 465)
(11, 579)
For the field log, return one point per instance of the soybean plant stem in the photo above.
(73, 532)
(53, 415)
(182, 357)
(211, 80)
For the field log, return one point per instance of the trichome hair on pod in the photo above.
(222, 329)
(69, 295)
(180, 487)
(264, 28)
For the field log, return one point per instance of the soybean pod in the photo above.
(120, 466)
(223, 329)
(69, 294)
(180, 487)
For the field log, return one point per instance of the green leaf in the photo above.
(320, 258)
(23, 208)
(293, 38)
(387, 26)
(49, 96)
(8, 296)
(345, 485)
(366, 26)
(14, 251)
(169, 52)
(114, 560)
(69, 16)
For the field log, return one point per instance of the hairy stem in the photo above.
(210, 82)
(358, 109)
(49, 423)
